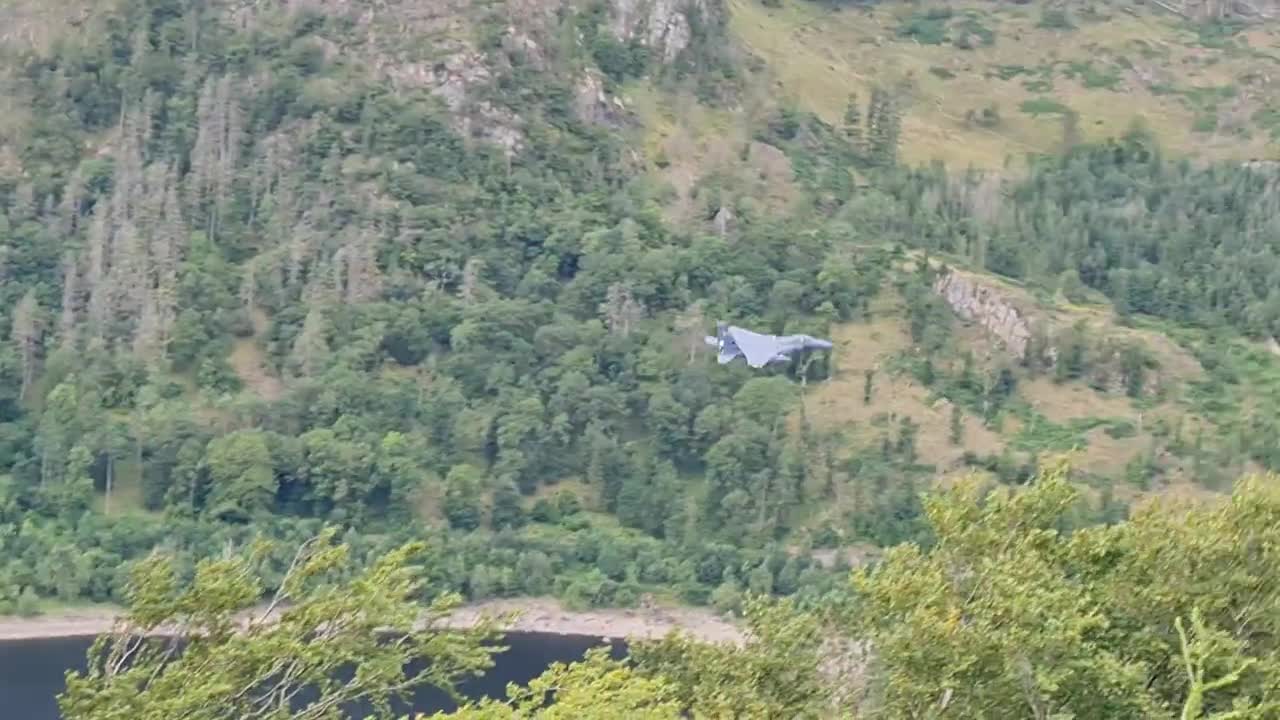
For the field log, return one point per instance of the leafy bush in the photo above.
(971, 33)
(987, 117)
(1044, 106)
(1055, 19)
(928, 27)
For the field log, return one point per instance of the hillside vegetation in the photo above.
(443, 270)
(989, 82)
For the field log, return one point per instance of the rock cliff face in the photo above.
(432, 44)
(664, 26)
(595, 106)
(1248, 10)
(986, 306)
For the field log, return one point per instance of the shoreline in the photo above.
(541, 615)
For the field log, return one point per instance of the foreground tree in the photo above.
(208, 648)
(1173, 614)
(782, 671)
(598, 688)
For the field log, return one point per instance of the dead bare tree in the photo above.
(26, 334)
(622, 312)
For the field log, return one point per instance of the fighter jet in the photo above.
(759, 350)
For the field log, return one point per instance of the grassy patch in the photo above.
(1043, 106)
(1039, 434)
(971, 32)
(1268, 119)
(1205, 123)
(1055, 19)
(928, 27)
(1092, 76)
(819, 55)
(1009, 72)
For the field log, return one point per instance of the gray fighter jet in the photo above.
(758, 349)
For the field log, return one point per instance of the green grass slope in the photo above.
(1208, 93)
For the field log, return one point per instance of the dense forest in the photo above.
(444, 329)
(256, 287)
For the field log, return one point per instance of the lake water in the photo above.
(31, 671)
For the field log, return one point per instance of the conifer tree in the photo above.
(26, 332)
(883, 129)
(853, 124)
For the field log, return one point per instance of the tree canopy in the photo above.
(1169, 614)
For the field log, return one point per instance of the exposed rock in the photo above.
(1148, 75)
(10, 166)
(1015, 329)
(1264, 166)
(661, 25)
(518, 43)
(1239, 9)
(770, 166)
(986, 306)
(723, 220)
(495, 125)
(854, 556)
(451, 78)
(595, 106)
(390, 34)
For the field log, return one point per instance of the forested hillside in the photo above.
(443, 270)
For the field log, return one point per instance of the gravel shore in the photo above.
(534, 615)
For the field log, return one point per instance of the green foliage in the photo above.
(317, 625)
(1205, 123)
(619, 60)
(1009, 72)
(264, 289)
(1043, 106)
(938, 25)
(337, 308)
(928, 27)
(777, 674)
(1055, 19)
(1006, 610)
(987, 117)
(1039, 434)
(1008, 607)
(970, 33)
(1093, 77)
(596, 688)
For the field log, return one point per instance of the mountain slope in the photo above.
(1204, 92)
(444, 269)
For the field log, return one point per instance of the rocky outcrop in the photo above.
(1218, 10)
(724, 221)
(451, 79)
(390, 36)
(663, 26)
(989, 308)
(594, 106)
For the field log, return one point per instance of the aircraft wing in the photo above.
(726, 351)
(756, 348)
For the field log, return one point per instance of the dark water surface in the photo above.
(31, 671)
